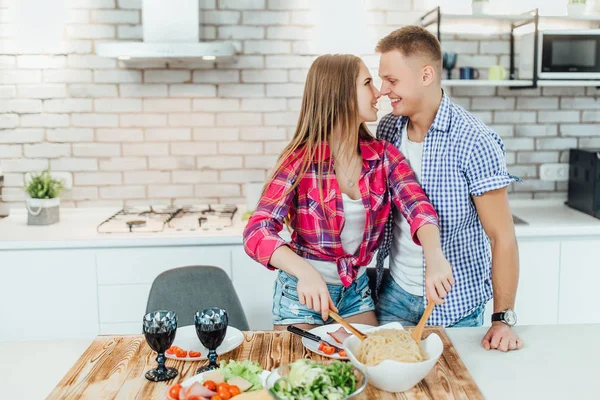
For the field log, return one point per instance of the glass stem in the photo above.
(161, 363)
(212, 358)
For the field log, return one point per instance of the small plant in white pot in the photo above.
(479, 7)
(576, 7)
(43, 199)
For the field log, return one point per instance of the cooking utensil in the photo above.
(310, 336)
(417, 332)
(347, 325)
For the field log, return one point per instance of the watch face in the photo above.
(510, 317)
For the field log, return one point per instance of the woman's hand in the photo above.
(313, 292)
(438, 276)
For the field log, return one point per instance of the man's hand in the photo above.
(501, 337)
(438, 276)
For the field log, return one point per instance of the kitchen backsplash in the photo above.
(196, 131)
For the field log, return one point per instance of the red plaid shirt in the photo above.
(316, 226)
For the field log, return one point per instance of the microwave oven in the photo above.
(562, 54)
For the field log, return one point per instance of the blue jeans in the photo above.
(287, 310)
(397, 305)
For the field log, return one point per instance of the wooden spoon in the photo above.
(417, 332)
(347, 325)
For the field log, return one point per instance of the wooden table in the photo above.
(113, 367)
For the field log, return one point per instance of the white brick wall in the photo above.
(47, 91)
(163, 131)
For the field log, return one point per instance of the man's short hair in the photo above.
(412, 41)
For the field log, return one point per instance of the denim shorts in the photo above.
(287, 310)
(397, 305)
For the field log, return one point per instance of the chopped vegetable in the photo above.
(194, 354)
(249, 370)
(310, 380)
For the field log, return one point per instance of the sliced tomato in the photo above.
(194, 353)
(224, 393)
(181, 353)
(174, 391)
(171, 350)
(342, 353)
(328, 349)
(234, 390)
(216, 397)
(210, 385)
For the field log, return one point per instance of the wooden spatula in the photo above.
(347, 325)
(417, 332)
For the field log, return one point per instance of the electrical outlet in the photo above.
(554, 172)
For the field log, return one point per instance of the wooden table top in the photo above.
(113, 367)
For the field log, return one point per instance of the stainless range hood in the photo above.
(171, 30)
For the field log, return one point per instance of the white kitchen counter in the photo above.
(77, 229)
(557, 362)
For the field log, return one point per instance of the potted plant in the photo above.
(576, 7)
(43, 199)
(479, 7)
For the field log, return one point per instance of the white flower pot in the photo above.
(479, 7)
(42, 211)
(576, 9)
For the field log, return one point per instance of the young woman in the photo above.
(333, 185)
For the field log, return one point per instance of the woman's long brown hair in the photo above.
(330, 100)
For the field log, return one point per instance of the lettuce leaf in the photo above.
(249, 370)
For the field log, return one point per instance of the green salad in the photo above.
(308, 380)
(248, 370)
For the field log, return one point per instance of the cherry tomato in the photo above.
(223, 385)
(210, 385)
(234, 390)
(174, 391)
(224, 393)
(194, 397)
(328, 349)
(342, 353)
(216, 397)
(194, 353)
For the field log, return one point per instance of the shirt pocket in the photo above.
(323, 210)
(378, 196)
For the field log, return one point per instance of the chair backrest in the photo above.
(186, 290)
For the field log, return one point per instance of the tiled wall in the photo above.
(195, 131)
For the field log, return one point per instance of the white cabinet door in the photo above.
(254, 286)
(579, 278)
(126, 275)
(48, 295)
(138, 265)
(537, 294)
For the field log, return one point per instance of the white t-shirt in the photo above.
(406, 258)
(351, 235)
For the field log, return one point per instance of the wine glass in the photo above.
(449, 62)
(211, 326)
(159, 330)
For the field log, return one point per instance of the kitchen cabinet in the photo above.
(48, 294)
(125, 277)
(254, 286)
(579, 280)
(538, 291)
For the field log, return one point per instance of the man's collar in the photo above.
(441, 122)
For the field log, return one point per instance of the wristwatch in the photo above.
(509, 317)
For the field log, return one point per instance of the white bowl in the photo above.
(396, 376)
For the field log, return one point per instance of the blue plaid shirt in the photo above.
(462, 158)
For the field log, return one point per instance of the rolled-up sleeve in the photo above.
(261, 235)
(486, 169)
(407, 193)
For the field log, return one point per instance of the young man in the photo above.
(461, 165)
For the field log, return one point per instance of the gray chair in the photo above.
(186, 290)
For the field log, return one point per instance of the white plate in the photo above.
(200, 378)
(321, 331)
(187, 339)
